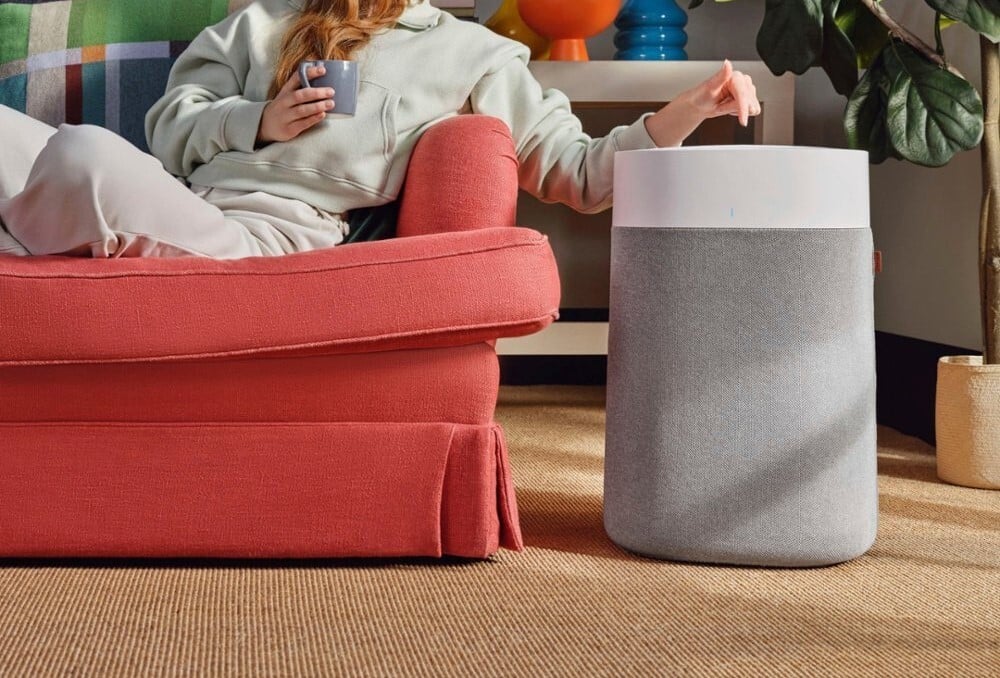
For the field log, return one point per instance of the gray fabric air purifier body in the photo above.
(741, 360)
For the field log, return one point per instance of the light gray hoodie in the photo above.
(429, 67)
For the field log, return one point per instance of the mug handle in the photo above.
(303, 67)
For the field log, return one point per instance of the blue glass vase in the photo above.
(651, 30)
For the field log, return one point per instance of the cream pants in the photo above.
(82, 190)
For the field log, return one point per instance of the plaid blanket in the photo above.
(102, 62)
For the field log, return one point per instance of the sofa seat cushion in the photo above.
(448, 289)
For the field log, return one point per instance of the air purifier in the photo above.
(741, 360)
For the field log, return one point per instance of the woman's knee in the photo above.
(90, 165)
(76, 154)
(22, 139)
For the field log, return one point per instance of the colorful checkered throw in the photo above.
(102, 62)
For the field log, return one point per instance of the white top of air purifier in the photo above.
(741, 187)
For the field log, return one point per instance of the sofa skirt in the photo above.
(255, 490)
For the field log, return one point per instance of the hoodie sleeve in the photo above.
(203, 111)
(559, 162)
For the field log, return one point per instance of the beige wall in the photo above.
(924, 220)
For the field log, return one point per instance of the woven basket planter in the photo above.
(968, 422)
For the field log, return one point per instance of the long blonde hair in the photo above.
(332, 29)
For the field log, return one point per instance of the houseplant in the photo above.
(911, 104)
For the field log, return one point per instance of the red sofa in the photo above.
(324, 404)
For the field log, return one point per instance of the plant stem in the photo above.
(989, 224)
(939, 46)
(906, 36)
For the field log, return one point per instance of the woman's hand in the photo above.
(728, 92)
(294, 110)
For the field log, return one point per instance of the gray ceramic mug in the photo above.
(342, 76)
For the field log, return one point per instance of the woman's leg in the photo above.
(22, 139)
(90, 192)
(462, 176)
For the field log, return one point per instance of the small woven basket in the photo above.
(968, 422)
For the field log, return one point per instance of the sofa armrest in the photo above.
(462, 176)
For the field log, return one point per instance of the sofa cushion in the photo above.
(447, 289)
(72, 60)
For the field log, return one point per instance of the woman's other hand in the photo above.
(294, 110)
(728, 92)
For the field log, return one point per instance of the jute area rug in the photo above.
(924, 602)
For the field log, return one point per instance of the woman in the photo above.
(265, 173)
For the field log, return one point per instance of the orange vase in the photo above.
(568, 23)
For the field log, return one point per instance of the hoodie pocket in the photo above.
(358, 150)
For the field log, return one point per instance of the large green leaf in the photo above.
(838, 58)
(864, 117)
(791, 35)
(932, 113)
(980, 15)
(866, 33)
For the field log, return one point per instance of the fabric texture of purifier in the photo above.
(741, 395)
